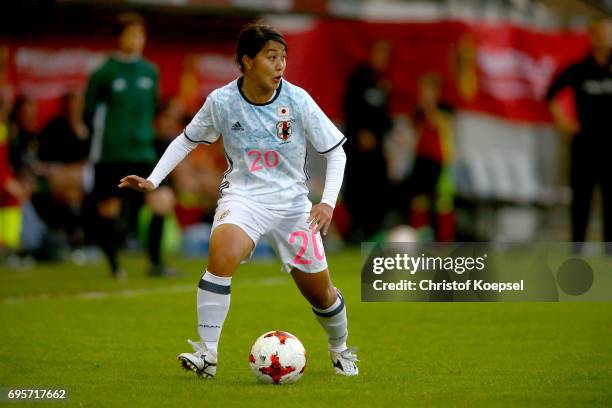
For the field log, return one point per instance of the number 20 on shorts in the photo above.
(270, 160)
(303, 237)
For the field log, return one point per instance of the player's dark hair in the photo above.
(253, 37)
(124, 20)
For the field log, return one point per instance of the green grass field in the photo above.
(115, 343)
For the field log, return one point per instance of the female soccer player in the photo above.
(265, 122)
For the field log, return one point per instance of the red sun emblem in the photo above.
(276, 370)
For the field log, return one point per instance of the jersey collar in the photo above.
(276, 94)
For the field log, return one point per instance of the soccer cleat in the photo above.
(344, 361)
(201, 361)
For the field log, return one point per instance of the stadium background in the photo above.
(496, 58)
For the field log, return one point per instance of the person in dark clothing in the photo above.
(591, 81)
(63, 147)
(23, 137)
(120, 106)
(22, 151)
(429, 189)
(366, 112)
(65, 138)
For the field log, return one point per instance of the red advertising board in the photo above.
(502, 70)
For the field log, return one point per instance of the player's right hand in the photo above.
(136, 183)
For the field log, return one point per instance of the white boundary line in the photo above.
(128, 293)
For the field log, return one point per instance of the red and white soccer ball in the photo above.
(277, 357)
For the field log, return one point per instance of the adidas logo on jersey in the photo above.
(237, 126)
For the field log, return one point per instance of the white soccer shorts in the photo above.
(286, 230)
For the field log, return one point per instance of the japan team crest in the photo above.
(283, 129)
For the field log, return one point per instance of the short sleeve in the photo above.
(204, 128)
(320, 131)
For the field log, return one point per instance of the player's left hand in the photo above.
(136, 183)
(320, 218)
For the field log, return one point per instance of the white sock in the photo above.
(334, 322)
(213, 304)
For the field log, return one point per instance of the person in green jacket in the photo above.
(120, 106)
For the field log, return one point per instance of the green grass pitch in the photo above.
(115, 343)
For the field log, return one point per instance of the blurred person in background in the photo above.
(170, 120)
(591, 81)
(23, 136)
(366, 113)
(120, 105)
(63, 148)
(12, 192)
(189, 97)
(429, 189)
(23, 157)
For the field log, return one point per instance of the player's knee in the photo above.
(223, 262)
(323, 299)
(221, 265)
(110, 208)
(230, 243)
(226, 249)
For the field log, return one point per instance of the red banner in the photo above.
(501, 70)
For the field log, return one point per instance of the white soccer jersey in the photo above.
(265, 144)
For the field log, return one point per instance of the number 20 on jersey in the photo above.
(263, 159)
